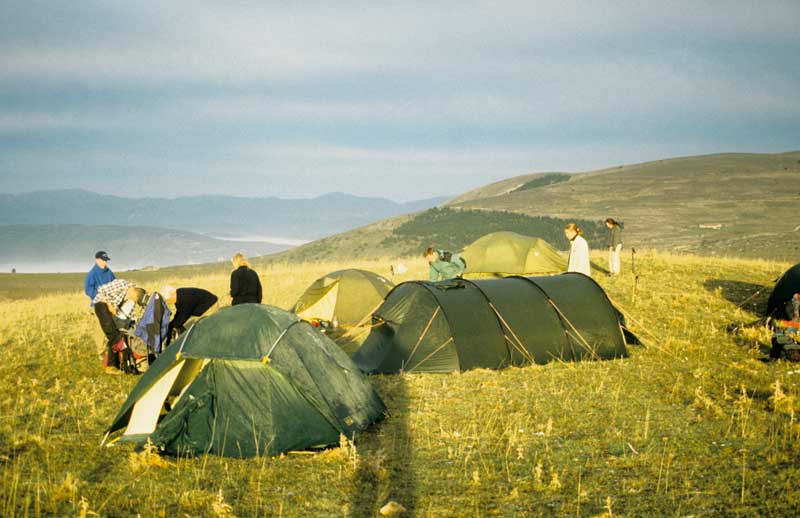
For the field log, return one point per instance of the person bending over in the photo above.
(443, 265)
(189, 302)
(107, 302)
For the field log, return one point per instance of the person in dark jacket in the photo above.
(245, 286)
(614, 244)
(99, 274)
(189, 302)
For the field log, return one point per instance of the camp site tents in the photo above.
(507, 253)
(491, 323)
(248, 380)
(346, 295)
(782, 293)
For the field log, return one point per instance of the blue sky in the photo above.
(405, 100)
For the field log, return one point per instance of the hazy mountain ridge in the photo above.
(34, 248)
(227, 215)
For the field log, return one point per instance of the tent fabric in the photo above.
(491, 323)
(784, 289)
(509, 253)
(345, 295)
(249, 380)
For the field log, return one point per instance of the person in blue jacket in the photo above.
(99, 274)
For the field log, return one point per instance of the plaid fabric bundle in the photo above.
(113, 292)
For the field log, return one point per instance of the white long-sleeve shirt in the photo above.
(579, 256)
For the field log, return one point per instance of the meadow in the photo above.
(694, 423)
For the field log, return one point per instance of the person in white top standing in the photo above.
(578, 250)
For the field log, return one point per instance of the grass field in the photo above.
(694, 424)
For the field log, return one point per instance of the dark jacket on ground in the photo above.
(190, 302)
(245, 286)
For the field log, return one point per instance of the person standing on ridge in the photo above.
(245, 285)
(578, 250)
(614, 244)
(99, 274)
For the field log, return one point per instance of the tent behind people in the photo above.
(491, 323)
(509, 253)
(347, 296)
(248, 380)
(782, 293)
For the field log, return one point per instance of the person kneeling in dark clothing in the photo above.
(107, 302)
(189, 302)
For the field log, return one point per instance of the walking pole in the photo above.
(635, 276)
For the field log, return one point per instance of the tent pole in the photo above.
(431, 354)
(424, 332)
(520, 347)
(582, 339)
(363, 320)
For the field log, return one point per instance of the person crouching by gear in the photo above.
(189, 302)
(107, 303)
(444, 265)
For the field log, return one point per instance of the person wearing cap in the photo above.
(189, 302)
(99, 274)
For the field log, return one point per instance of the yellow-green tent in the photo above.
(509, 253)
(347, 296)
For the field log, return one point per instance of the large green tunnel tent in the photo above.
(345, 295)
(491, 323)
(248, 380)
(782, 293)
(508, 253)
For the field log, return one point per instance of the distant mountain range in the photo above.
(66, 248)
(305, 219)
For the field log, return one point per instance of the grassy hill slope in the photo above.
(693, 424)
(754, 197)
(444, 228)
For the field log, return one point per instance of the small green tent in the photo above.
(492, 323)
(248, 380)
(509, 253)
(346, 295)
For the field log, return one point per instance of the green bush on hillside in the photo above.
(542, 181)
(455, 229)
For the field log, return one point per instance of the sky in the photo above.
(406, 100)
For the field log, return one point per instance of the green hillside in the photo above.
(732, 204)
(446, 228)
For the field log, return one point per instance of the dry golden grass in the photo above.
(692, 425)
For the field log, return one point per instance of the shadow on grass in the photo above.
(385, 452)
(386, 456)
(749, 296)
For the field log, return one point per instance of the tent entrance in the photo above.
(162, 396)
(325, 307)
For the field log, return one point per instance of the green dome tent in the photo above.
(346, 295)
(248, 380)
(510, 253)
(782, 293)
(491, 323)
